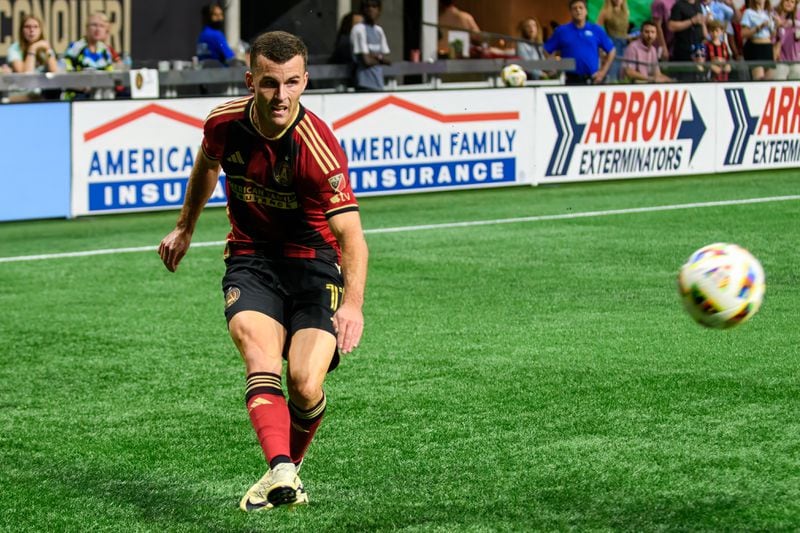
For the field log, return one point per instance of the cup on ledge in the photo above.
(177, 65)
(163, 66)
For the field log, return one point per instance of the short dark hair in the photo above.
(366, 3)
(278, 46)
(573, 2)
(649, 22)
(205, 12)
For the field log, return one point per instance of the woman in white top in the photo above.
(758, 33)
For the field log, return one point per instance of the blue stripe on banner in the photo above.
(447, 174)
(144, 194)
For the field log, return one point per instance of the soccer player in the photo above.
(296, 256)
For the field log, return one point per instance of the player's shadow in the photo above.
(164, 504)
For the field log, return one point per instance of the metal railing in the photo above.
(230, 80)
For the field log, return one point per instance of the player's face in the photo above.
(277, 89)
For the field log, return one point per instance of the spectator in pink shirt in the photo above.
(661, 10)
(788, 41)
(640, 62)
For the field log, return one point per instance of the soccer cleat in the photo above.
(302, 496)
(255, 499)
(283, 484)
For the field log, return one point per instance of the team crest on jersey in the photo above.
(283, 174)
(231, 296)
(336, 182)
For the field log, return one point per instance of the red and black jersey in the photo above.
(281, 191)
(718, 53)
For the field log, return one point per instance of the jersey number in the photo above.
(336, 295)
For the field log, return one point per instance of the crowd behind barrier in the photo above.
(184, 79)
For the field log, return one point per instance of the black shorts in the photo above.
(298, 293)
(758, 52)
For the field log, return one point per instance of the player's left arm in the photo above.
(348, 321)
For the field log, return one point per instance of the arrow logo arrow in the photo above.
(693, 129)
(744, 125)
(569, 133)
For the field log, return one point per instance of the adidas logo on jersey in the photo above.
(235, 157)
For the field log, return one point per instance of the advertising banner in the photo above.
(137, 155)
(427, 141)
(593, 133)
(34, 148)
(758, 126)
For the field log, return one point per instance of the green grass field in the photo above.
(531, 375)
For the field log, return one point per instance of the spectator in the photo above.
(758, 31)
(451, 17)
(642, 57)
(717, 51)
(788, 42)
(726, 13)
(581, 40)
(32, 52)
(687, 23)
(530, 47)
(369, 48)
(212, 46)
(661, 11)
(343, 48)
(91, 52)
(615, 18)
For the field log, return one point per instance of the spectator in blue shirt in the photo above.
(582, 40)
(211, 44)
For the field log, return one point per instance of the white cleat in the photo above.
(276, 487)
(255, 499)
(283, 484)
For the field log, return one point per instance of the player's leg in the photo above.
(254, 310)
(260, 339)
(310, 355)
(312, 348)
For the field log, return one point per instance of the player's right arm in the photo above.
(202, 182)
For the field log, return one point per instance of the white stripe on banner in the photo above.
(446, 225)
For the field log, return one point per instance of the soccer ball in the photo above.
(721, 285)
(513, 76)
